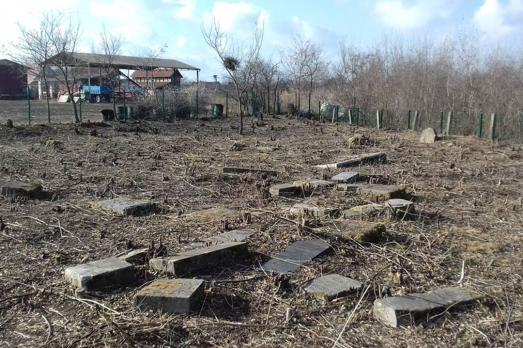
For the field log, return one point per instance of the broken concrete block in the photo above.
(101, 275)
(400, 208)
(285, 190)
(136, 257)
(408, 309)
(173, 296)
(203, 259)
(18, 189)
(213, 214)
(428, 136)
(295, 255)
(237, 170)
(357, 160)
(234, 236)
(309, 210)
(348, 187)
(360, 231)
(314, 184)
(332, 286)
(379, 193)
(362, 211)
(126, 207)
(346, 177)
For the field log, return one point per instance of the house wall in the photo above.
(13, 82)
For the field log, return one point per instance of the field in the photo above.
(468, 232)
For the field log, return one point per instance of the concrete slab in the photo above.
(363, 211)
(379, 193)
(297, 254)
(408, 309)
(360, 231)
(309, 210)
(106, 274)
(285, 190)
(348, 187)
(136, 257)
(234, 236)
(356, 160)
(173, 296)
(314, 184)
(238, 170)
(400, 208)
(346, 177)
(126, 206)
(18, 189)
(199, 260)
(332, 286)
(428, 136)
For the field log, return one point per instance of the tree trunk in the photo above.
(46, 86)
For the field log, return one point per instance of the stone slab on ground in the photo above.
(234, 236)
(332, 286)
(378, 157)
(126, 206)
(379, 193)
(239, 170)
(213, 214)
(313, 185)
(173, 296)
(136, 257)
(202, 259)
(309, 210)
(285, 190)
(428, 136)
(296, 254)
(360, 231)
(405, 310)
(362, 211)
(400, 208)
(346, 177)
(348, 187)
(106, 274)
(18, 189)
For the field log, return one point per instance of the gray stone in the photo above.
(346, 177)
(428, 136)
(296, 255)
(348, 187)
(332, 286)
(379, 193)
(314, 184)
(237, 170)
(357, 160)
(400, 207)
(136, 257)
(203, 259)
(126, 206)
(362, 211)
(286, 190)
(18, 189)
(234, 236)
(408, 309)
(101, 275)
(309, 210)
(173, 296)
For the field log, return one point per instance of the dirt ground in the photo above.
(469, 232)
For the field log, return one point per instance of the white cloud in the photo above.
(185, 8)
(181, 41)
(398, 15)
(238, 16)
(496, 19)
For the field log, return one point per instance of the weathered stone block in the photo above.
(203, 259)
(173, 296)
(18, 189)
(286, 190)
(309, 210)
(295, 255)
(234, 236)
(346, 177)
(101, 275)
(126, 206)
(362, 211)
(408, 309)
(314, 184)
(332, 286)
(136, 257)
(356, 161)
(379, 193)
(348, 187)
(428, 136)
(400, 208)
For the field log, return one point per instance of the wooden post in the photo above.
(492, 129)
(409, 114)
(350, 116)
(480, 126)
(416, 116)
(378, 123)
(441, 123)
(449, 123)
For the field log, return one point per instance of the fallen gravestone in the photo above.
(18, 189)
(357, 160)
(408, 309)
(234, 236)
(297, 254)
(106, 274)
(378, 193)
(314, 186)
(346, 177)
(360, 231)
(332, 286)
(428, 136)
(136, 257)
(285, 190)
(237, 170)
(400, 208)
(362, 211)
(348, 187)
(197, 260)
(126, 206)
(309, 210)
(173, 296)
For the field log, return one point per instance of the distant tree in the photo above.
(111, 46)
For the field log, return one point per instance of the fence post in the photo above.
(492, 130)
(480, 126)
(333, 117)
(409, 119)
(226, 104)
(441, 123)
(378, 123)
(350, 116)
(416, 117)
(29, 104)
(449, 123)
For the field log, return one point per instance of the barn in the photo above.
(13, 80)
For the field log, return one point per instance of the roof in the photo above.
(7, 62)
(121, 62)
(158, 73)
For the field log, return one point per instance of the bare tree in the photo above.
(270, 78)
(111, 46)
(237, 59)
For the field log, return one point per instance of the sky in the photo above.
(174, 27)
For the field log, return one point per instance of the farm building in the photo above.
(157, 78)
(13, 80)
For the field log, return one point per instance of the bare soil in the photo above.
(468, 232)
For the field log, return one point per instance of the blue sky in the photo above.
(147, 25)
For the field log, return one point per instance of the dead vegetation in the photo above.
(467, 231)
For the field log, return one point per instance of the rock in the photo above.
(126, 207)
(346, 177)
(348, 187)
(332, 286)
(234, 236)
(18, 189)
(106, 274)
(360, 231)
(362, 211)
(408, 309)
(213, 214)
(173, 296)
(313, 186)
(9, 123)
(378, 157)
(400, 208)
(379, 193)
(236, 170)
(136, 257)
(285, 190)
(203, 259)
(295, 255)
(309, 210)
(428, 136)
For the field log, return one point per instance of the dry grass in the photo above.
(468, 231)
